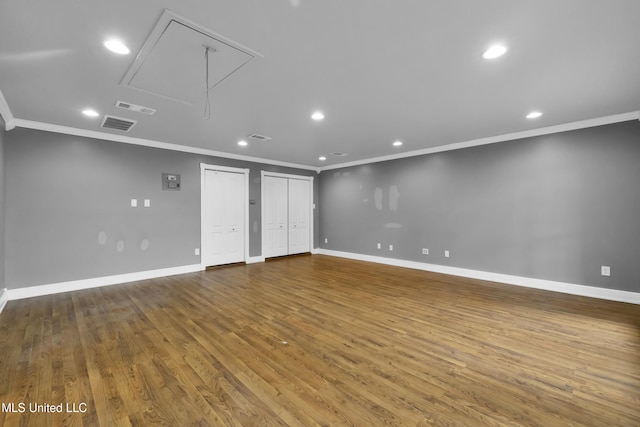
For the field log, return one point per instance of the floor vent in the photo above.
(134, 107)
(117, 123)
(260, 137)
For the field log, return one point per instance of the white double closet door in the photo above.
(286, 216)
(223, 222)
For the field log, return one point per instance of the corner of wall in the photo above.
(6, 117)
(4, 297)
(2, 207)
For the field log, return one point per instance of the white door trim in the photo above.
(286, 175)
(204, 167)
(264, 173)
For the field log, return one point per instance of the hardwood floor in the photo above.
(316, 340)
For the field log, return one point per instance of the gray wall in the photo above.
(62, 191)
(2, 198)
(553, 207)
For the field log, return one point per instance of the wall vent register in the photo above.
(117, 123)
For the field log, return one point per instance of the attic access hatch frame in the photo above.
(162, 28)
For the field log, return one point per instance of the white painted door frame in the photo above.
(311, 203)
(204, 167)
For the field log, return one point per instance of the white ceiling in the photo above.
(380, 70)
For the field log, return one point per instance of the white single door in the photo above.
(275, 216)
(299, 215)
(224, 231)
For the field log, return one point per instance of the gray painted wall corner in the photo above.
(2, 203)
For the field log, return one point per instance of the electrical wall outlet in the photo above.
(326, 240)
(425, 251)
(134, 203)
(390, 247)
(197, 251)
(605, 270)
(446, 254)
(379, 246)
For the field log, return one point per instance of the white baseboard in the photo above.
(548, 285)
(56, 288)
(4, 297)
(315, 251)
(255, 259)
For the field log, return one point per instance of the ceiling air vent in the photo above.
(336, 153)
(118, 123)
(260, 137)
(134, 107)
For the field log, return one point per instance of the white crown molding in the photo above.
(4, 297)
(582, 124)
(5, 112)
(29, 124)
(56, 288)
(548, 285)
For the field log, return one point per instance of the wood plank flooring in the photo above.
(317, 340)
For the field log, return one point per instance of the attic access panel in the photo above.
(172, 62)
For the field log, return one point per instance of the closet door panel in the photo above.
(275, 216)
(299, 213)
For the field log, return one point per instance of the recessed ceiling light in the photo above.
(397, 143)
(317, 116)
(117, 46)
(89, 112)
(494, 51)
(534, 115)
(243, 143)
(322, 158)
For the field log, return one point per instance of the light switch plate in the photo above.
(134, 203)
